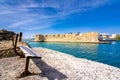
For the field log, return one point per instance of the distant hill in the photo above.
(6, 35)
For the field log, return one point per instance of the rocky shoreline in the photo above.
(55, 65)
(6, 48)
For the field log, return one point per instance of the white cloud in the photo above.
(33, 24)
(21, 23)
(35, 27)
(24, 12)
(6, 12)
(29, 4)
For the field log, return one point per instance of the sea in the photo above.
(103, 53)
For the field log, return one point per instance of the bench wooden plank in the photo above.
(29, 52)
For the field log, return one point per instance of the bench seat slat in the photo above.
(29, 52)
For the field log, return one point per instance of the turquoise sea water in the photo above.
(104, 53)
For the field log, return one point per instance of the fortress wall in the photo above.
(39, 37)
(90, 37)
(86, 37)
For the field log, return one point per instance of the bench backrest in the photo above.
(28, 52)
(14, 43)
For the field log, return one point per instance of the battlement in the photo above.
(86, 37)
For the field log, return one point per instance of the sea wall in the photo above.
(86, 37)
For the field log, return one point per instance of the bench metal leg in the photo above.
(26, 72)
(26, 65)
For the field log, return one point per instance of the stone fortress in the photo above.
(86, 37)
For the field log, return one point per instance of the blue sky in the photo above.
(60, 16)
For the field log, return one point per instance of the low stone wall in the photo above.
(86, 37)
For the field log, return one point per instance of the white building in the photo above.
(113, 36)
(103, 36)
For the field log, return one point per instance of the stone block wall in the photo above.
(86, 37)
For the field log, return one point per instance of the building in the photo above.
(114, 36)
(103, 36)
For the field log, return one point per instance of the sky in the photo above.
(60, 16)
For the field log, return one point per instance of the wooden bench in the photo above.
(28, 54)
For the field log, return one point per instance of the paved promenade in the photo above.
(57, 66)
